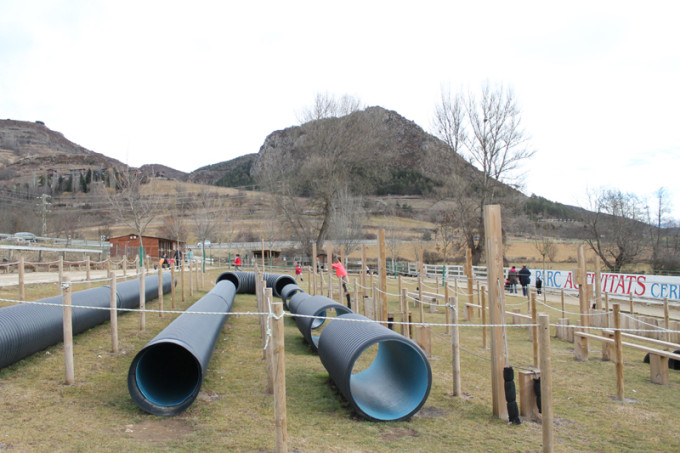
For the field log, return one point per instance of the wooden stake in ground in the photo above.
(172, 286)
(534, 328)
(468, 272)
(22, 295)
(191, 280)
(68, 333)
(88, 275)
(279, 359)
(546, 383)
(382, 266)
(160, 291)
(114, 314)
(583, 297)
(494, 259)
(181, 280)
(142, 300)
(455, 345)
(618, 350)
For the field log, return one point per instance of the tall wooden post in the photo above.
(468, 272)
(364, 266)
(113, 304)
(583, 296)
(314, 268)
(534, 328)
(382, 266)
(181, 281)
(455, 345)
(142, 299)
(191, 280)
(494, 260)
(264, 269)
(598, 282)
(546, 384)
(68, 333)
(160, 291)
(172, 286)
(618, 350)
(279, 365)
(667, 319)
(22, 294)
(88, 274)
(61, 269)
(484, 333)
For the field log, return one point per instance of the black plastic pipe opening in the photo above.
(167, 376)
(395, 385)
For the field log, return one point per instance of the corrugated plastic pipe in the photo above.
(245, 281)
(166, 375)
(311, 307)
(26, 328)
(397, 382)
(287, 292)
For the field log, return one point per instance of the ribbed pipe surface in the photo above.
(315, 306)
(245, 281)
(26, 329)
(395, 385)
(287, 292)
(166, 375)
(296, 300)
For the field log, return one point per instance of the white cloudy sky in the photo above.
(188, 84)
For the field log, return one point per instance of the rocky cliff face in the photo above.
(380, 145)
(27, 149)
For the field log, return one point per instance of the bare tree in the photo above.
(487, 131)
(665, 237)
(618, 227)
(136, 204)
(325, 105)
(312, 196)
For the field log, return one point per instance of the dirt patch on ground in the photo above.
(158, 430)
(398, 433)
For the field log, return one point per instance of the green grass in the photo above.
(235, 413)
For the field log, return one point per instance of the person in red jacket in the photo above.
(237, 262)
(341, 273)
(298, 272)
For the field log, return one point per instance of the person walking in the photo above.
(237, 262)
(298, 272)
(341, 273)
(512, 278)
(524, 278)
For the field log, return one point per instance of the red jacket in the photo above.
(340, 270)
(237, 261)
(298, 269)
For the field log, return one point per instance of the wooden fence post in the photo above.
(534, 328)
(142, 299)
(22, 294)
(280, 416)
(61, 269)
(484, 333)
(68, 333)
(172, 286)
(494, 260)
(160, 291)
(88, 273)
(191, 280)
(619, 352)
(546, 383)
(114, 314)
(455, 345)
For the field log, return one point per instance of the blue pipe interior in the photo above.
(167, 374)
(394, 385)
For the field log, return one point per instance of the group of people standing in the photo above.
(523, 277)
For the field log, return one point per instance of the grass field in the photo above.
(235, 413)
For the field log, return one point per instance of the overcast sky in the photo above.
(188, 84)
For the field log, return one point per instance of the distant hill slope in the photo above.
(231, 173)
(27, 148)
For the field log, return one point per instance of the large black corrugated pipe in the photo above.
(287, 292)
(394, 386)
(26, 328)
(316, 306)
(166, 375)
(243, 281)
(296, 300)
(277, 282)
